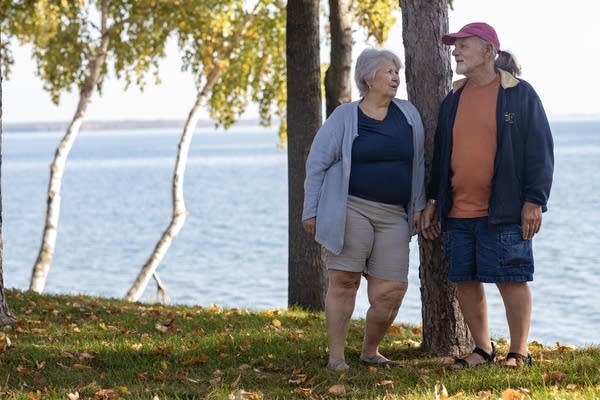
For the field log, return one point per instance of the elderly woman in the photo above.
(364, 193)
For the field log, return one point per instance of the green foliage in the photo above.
(377, 17)
(65, 36)
(111, 349)
(246, 45)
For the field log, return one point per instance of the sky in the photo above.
(557, 46)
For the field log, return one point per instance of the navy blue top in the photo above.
(382, 156)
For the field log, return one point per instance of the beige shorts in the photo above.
(375, 242)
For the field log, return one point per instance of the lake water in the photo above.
(232, 250)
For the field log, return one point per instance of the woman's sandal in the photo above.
(488, 358)
(520, 360)
(378, 361)
(338, 366)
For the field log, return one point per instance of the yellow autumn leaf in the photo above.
(241, 394)
(137, 347)
(4, 341)
(106, 394)
(512, 394)
(276, 323)
(337, 390)
(440, 391)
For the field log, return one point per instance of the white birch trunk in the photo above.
(6, 317)
(179, 210)
(57, 168)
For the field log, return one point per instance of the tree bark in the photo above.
(307, 280)
(57, 168)
(6, 317)
(428, 77)
(337, 78)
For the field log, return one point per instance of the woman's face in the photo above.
(470, 56)
(386, 80)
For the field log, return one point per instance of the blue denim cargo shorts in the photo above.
(476, 250)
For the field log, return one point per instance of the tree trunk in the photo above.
(179, 210)
(337, 77)
(57, 168)
(6, 317)
(307, 280)
(428, 77)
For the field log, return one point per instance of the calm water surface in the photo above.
(232, 250)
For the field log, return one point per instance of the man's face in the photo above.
(470, 55)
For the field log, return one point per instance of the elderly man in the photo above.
(490, 182)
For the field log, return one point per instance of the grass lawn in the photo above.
(80, 347)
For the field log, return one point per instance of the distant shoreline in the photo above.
(53, 126)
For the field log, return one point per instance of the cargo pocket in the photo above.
(514, 250)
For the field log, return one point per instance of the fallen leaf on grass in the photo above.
(86, 356)
(4, 341)
(440, 392)
(395, 329)
(137, 347)
(276, 323)
(385, 383)
(554, 377)
(197, 360)
(106, 394)
(512, 394)
(241, 394)
(337, 390)
(73, 396)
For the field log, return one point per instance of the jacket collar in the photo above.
(507, 80)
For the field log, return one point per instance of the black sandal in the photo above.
(488, 358)
(520, 359)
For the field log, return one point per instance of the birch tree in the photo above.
(6, 317)
(72, 44)
(236, 56)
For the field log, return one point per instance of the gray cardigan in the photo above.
(328, 172)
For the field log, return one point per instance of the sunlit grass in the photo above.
(79, 347)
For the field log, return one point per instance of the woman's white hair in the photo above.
(367, 64)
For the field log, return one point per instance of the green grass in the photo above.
(69, 347)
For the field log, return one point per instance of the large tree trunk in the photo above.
(428, 76)
(6, 318)
(337, 78)
(57, 168)
(307, 280)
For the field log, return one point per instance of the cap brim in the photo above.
(450, 38)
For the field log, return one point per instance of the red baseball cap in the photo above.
(479, 29)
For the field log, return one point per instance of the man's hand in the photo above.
(309, 225)
(531, 220)
(430, 225)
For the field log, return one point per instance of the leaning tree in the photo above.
(73, 43)
(236, 56)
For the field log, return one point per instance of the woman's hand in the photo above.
(309, 225)
(416, 224)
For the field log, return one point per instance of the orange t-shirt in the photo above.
(474, 150)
